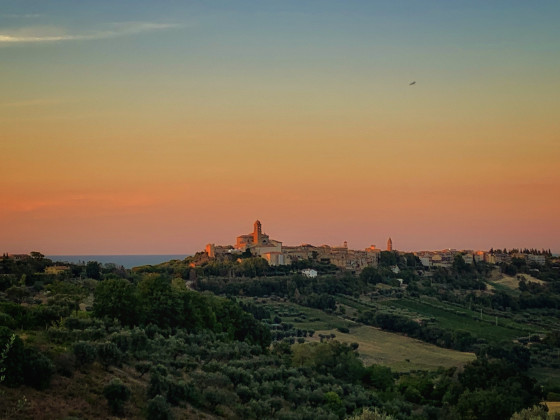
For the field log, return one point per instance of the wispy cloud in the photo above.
(54, 34)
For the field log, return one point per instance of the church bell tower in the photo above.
(257, 232)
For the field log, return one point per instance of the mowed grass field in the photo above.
(400, 353)
(553, 406)
(396, 351)
(509, 284)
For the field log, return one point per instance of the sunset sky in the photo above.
(144, 127)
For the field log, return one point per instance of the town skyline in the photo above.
(154, 128)
(259, 244)
(378, 246)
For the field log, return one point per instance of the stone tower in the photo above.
(389, 245)
(257, 232)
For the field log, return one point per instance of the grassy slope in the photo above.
(553, 407)
(80, 396)
(510, 284)
(399, 352)
(376, 346)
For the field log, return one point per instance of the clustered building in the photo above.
(260, 244)
(445, 257)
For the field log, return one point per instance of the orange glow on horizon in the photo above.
(161, 142)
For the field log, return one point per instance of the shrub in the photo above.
(380, 377)
(245, 393)
(60, 335)
(214, 396)
(138, 339)
(143, 367)
(117, 394)
(92, 333)
(178, 391)
(122, 340)
(84, 353)
(238, 376)
(73, 323)
(37, 369)
(109, 354)
(7, 321)
(160, 370)
(12, 358)
(158, 409)
(158, 386)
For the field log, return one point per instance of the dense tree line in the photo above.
(512, 251)
(313, 292)
(158, 301)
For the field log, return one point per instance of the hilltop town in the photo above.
(260, 244)
(276, 253)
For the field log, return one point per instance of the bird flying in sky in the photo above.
(412, 83)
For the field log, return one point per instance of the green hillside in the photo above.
(180, 340)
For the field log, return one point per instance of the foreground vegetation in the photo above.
(238, 339)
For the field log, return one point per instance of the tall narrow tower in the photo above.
(389, 245)
(257, 232)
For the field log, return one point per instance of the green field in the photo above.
(400, 353)
(503, 287)
(396, 351)
(453, 318)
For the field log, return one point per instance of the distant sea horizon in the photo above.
(127, 261)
